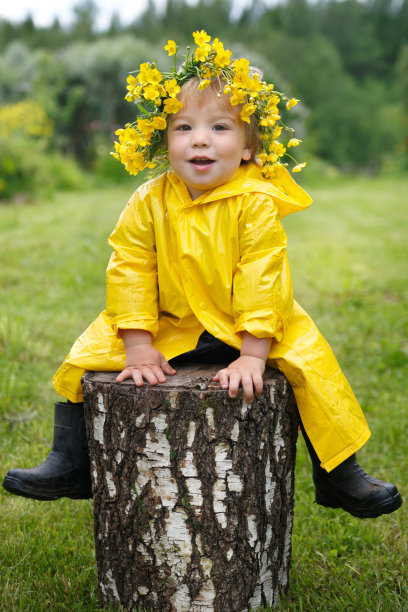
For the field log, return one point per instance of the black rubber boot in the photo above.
(66, 470)
(349, 487)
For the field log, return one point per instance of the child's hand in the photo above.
(246, 370)
(143, 361)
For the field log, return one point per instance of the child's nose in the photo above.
(200, 138)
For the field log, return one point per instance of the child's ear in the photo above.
(247, 154)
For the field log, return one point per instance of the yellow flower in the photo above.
(299, 167)
(289, 104)
(277, 132)
(223, 56)
(172, 105)
(242, 80)
(115, 154)
(130, 135)
(171, 47)
(149, 76)
(203, 84)
(217, 45)
(151, 92)
(268, 171)
(200, 38)
(278, 148)
(268, 159)
(134, 142)
(205, 73)
(294, 142)
(145, 127)
(269, 120)
(202, 52)
(172, 88)
(273, 102)
(247, 111)
(238, 97)
(135, 164)
(131, 82)
(143, 70)
(255, 85)
(159, 123)
(133, 93)
(241, 65)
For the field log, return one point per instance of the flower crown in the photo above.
(141, 144)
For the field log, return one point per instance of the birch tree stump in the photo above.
(193, 491)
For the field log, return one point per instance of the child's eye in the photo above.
(219, 127)
(184, 127)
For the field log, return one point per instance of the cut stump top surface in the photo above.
(194, 376)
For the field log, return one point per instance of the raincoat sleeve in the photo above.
(131, 276)
(262, 289)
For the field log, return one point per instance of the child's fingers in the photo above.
(137, 377)
(153, 375)
(131, 373)
(124, 375)
(248, 387)
(258, 384)
(166, 367)
(234, 380)
(232, 377)
(222, 376)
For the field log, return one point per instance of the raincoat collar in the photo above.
(286, 193)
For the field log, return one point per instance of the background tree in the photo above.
(83, 27)
(345, 60)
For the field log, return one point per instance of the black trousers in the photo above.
(208, 350)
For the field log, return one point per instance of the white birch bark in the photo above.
(193, 492)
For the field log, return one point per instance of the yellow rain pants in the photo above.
(218, 263)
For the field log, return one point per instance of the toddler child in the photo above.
(199, 267)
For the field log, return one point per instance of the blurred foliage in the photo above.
(27, 166)
(27, 117)
(28, 170)
(347, 61)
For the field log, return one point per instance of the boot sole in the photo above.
(386, 507)
(13, 485)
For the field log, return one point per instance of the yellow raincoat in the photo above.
(218, 263)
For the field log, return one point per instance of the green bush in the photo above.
(27, 166)
(28, 171)
(108, 169)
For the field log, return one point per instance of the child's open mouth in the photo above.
(201, 162)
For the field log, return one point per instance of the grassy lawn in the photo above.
(349, 259)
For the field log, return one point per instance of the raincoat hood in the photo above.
(287, 195)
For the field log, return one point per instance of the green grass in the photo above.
(349, 261)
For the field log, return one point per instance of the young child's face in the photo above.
(206, 142)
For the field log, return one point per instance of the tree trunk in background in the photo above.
(193, 491)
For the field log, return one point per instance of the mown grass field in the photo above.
(349, 257)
